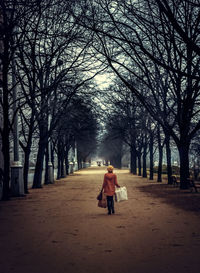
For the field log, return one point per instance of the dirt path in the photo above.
(60, 229)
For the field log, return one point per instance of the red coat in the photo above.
(109, 183)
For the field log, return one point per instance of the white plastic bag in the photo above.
(121, 194)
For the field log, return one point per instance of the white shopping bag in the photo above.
(121, 194)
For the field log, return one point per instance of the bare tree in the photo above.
(77, 125)
(138, 42)
(12, 13)
(52, 64)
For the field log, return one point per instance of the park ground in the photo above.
(60, 229)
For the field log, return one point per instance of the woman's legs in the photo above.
(110, 204)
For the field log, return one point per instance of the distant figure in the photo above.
(109, 183)
(99, 163)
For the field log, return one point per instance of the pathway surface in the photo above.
(60, 229)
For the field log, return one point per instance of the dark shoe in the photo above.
(109, 212)
(113, 211)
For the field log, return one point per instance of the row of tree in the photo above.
(153, 48)
(53, 49)
(129, 125)
(44, 60)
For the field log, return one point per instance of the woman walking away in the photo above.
(109, 183)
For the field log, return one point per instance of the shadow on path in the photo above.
(174, 196)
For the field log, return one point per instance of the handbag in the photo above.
(121, 194)
(99, 196)
(103, 202)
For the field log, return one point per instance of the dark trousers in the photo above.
(110, 204)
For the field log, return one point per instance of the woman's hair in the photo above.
(110, 168)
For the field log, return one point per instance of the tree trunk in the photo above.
(139, 164)
(66, 162)
(144, 161)
(168, 155)
(79, 163)
(5, 138)
(43, 128)
(46, 178)
(184, 165)
(159, 178)
(79, 159)
(151, 156)
(59, 168)
(6, 162)
(27, 152)
(117, 161)
(37, 181)
(52, 155)
(185, 123)
(133, 161)
(59, 161)
(5, 133)
(160, 149)
(62, 162)
(26, 167)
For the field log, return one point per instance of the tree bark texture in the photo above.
(160, 150)
(184, 165)
(26, 167)
(66, 161)
(59, 160)
(151, 156)
(133, 161)
(37, 181)
(139, 164)
(144, 161)
(168, 155)
(46, 177)
(5, 136)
